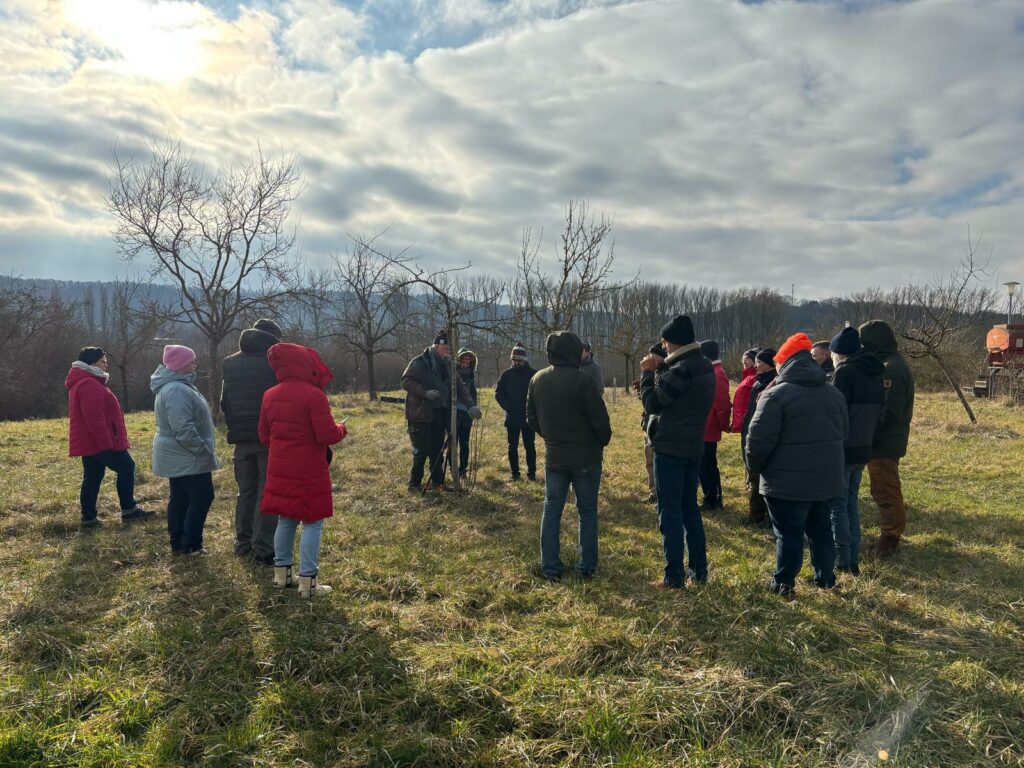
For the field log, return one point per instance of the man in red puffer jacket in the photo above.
(718, 421)
(298, 429)
(97, 433)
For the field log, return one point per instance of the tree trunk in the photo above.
(955, 388)
(453, 414)
(216, 374)
(371, 375)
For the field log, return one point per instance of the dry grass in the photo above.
(441, 647)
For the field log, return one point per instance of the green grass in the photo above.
(441, 646)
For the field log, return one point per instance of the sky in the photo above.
(823, 147)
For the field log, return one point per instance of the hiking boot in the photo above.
(283, 577)
(887, 546)
(136, 515)
(89, 525)
(309, 588)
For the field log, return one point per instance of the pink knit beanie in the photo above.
(177, 357)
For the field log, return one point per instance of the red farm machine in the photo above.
(1004, 365)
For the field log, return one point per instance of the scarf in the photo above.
(98, 372)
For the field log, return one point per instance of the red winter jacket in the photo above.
(741, 398)
(95, 419)
(297, 426)
(718, 416)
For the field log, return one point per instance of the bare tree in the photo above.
(134, 323)
(222, 240)
(374, 304)
(584, 264)
(932, 318)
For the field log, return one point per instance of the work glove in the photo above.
(432, 394)
(475, 412)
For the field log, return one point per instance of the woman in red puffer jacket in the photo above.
(298, 429)
(741, 397)
(97, 433)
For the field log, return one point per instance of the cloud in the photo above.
(833, 146)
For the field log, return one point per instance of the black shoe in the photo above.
(532, 477)
(262, 559)
(853, 569)
(516, 476)
(136, 515)
(415, 490)
(585, 575)
(89, 525)
(462, 473)
(785, 590)
(697, 578)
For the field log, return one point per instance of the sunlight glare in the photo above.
(160, 40)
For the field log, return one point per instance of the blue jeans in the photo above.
(679, 517)
(309, 544)
(586, 482)
(793, 521)
(191, 497)
(846, 517)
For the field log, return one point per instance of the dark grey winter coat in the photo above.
(425, 372)
(247, 375)
(678, 398)
(859, 378)
(795, 439)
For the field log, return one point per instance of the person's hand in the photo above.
(649, 364)
(636, 385)
(432, 394)
(475, 412)
(344, 431)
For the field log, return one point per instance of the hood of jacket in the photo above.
(878, 337)
(82, 372)
(254, 341)
(296, 362)
(864, 362)
(164, 375)
(801, 370)
(564, 349)
(472, 361)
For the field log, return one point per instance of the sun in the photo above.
(161, 40)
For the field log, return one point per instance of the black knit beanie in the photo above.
(846, 342)
(441, 337)
(679, 331)
(766, 356)
(90, 355)
(268, 326)
(751, 353)
(709, 349)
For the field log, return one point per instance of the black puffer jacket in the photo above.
(511, 393)
(893, 433)
(859, 378)
(795, 438)
(678, 398)
(247, 375)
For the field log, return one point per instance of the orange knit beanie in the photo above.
(791, 346)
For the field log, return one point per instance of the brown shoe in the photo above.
(887, 546)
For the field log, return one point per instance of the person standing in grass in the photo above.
(184, 448)
(764, 367)
(564, 407)
(427, 383)
(97, 433)
(298, 429)
(511, 396)
(466, 371)
(590, 367)
(858, 375)
(718, 421)
(741, 397)
(658, 351)
(678, 392)
(795, 443)
(823, 357)
(247, 375)
(892, 436)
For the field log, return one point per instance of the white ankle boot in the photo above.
(283, 576)
(308, 587)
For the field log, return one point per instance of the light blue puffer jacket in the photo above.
(184, 442)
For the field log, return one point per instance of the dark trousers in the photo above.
(793, 521)
(758, 510)
(710, 477)
(93, 470)
(254, 532)
(463, 427)
(191, 497)
(528, 444)
(428, 445)
(679, 517)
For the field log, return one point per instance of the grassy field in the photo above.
(441, 646)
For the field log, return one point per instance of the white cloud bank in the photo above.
(832, 146)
